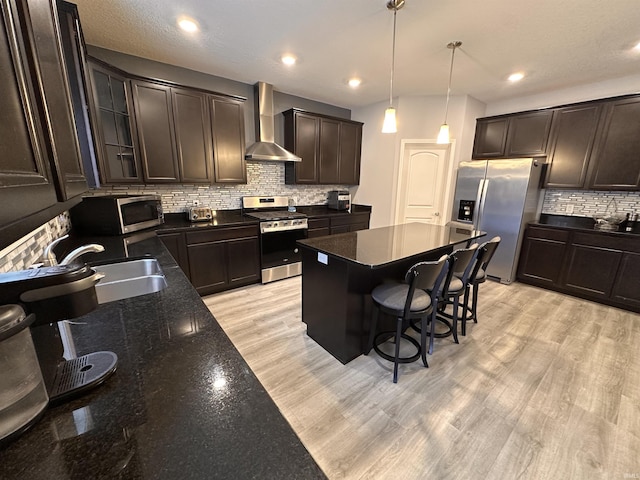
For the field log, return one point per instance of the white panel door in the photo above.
(422, 183)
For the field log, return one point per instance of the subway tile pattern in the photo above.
(263, 178)
(587, 203)
(23, 253)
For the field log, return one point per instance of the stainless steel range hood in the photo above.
(266, 148)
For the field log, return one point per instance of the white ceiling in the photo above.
(558, 43)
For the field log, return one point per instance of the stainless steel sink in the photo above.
(128, 279)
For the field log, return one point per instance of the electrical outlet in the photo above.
(196, 203)
(569, 209)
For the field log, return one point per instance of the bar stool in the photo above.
(478, 276)
(461, 264)
(407, 301)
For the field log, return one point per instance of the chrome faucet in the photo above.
(49, 258)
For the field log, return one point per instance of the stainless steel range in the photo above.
(280, 229)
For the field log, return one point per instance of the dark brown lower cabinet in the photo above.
(177, 246)
(625, 288)
(542, 253)
(223, 258)
(350, 222)
(318, 227)
(599, 266)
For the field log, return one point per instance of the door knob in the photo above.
(437, 214)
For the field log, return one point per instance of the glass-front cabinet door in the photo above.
(117, 155)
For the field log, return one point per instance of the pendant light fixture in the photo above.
(389, 124)
(443, 135)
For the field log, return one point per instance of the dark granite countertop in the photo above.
(580, 223)
(174, 222)
(381, 246)
(182, 404)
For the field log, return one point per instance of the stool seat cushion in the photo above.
(455, 286)
(394, 296)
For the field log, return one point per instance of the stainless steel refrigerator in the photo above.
(499, 197)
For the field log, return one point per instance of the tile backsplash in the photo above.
(23, 253)
(263, 178)
(587, 203)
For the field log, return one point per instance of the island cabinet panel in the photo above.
(227, 132)
(223, 258)
(156, 131)
(26, 184)
(116, 141)
(330, 149)
(615, 162)
(571, 145)
(177, 246)
(542, 254)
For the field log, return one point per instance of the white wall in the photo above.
(419, 117)
(590, 91)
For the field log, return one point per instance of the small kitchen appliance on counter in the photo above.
(23, 395)
(117, 214)
(49, 295)
(199, 214)
(280, 229)
(339, 200)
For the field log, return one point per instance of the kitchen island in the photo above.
(339, 272)
(182, 404)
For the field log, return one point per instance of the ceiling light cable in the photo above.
(443, 136)
(389, 124)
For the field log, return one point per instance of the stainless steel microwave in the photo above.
(117, 214)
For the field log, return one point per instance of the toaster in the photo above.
(200, 214)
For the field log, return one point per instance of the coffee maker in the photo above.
(33, 301)
(339, 200)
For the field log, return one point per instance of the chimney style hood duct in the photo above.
(266, 148)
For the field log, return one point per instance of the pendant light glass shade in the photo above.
(389, 124)
(443, 135)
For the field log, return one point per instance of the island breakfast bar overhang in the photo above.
(340, 271)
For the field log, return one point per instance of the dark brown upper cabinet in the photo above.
(330, 149)
(491, 137)
(571, 144)
(193, 140)
(615, 161)
(227, 132)
(115, 139)
(25, 177)
(519, 135)
(156, 132)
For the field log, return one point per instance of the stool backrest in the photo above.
(484, 256)
(425, 276)
(460, 263)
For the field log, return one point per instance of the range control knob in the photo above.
(194, 216)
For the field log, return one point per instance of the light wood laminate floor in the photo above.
(545, 386)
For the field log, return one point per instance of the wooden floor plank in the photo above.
(545, 386)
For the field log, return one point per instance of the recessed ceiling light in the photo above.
(637, 47)
(188, 25)
(516, 77)
(354, 82)
(288, 59)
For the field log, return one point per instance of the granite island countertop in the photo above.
(382, 246)
(182, 404)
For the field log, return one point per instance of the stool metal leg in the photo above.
(474, 304)
(454, 323)
(397, 354)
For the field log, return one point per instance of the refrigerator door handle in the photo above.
(477, 209)
(483, 197)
